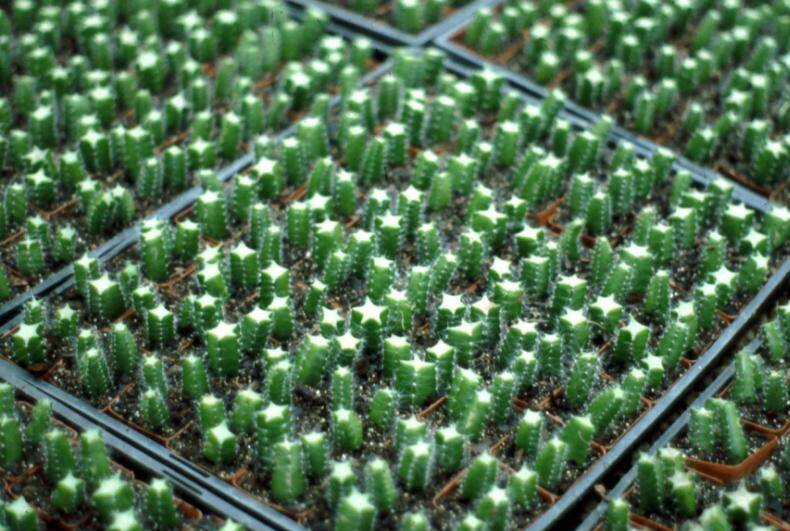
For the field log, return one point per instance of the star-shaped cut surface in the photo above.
(607, 304)
(28, 332)
(369, 312)
(743, 505)
(653, 363)
(103, 284)
(223, 331)
(242, 252)
(19, 509)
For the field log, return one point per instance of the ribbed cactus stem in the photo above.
(69, 493)
(672, 343)
(380, 485)
(20, 516)
(94, 372)
(279, 382)
(342, 388)
(347, 429)
(30, 256)
(605, 314)
(744, 388)
(194, 380)
(651, 483)
(213, 216)
(288, 481)
(154, 409)
(775, 391)
(66, 319)
(113, 495)
(466, 338)
(153, 374)
(530, 432)
(742, 506)
(502, 392)
(634, 385)
(244, 270)
(475, 417)
(11, 446)
(396, 349)
(702, 430)
(382, 408)
(312, 359)
(340, 482)
(732, 434)
(246, 403)
(40, 420)
(356, 512)
(577, 434)
(95, 461)
(282, 317)
(684, 493)
(105, 298)
(522, 486)
(415, 381)
(160, 326)
(604, 408)
(551, 461)
(582, 378)
(481, 475)
(550, 355)
(771, 483)
(211, 412)
(219, 444)
(6, 399)
(617, 515)
(160, 504)
(409, 431)
(223, 349)
(28, 344)
(535, 275)
(494, 508)
(273, 424)
(123, 350)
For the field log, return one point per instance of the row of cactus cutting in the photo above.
(671, 490)
(108, 109)
(71, 479)
(374, 320)
(707, 76)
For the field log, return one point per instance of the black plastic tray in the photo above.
(387, 33)
(122, 239)
(141, 457)
(182, 468)
(777, 284)
(599, 512)
(703, 176)
(721, 347)
(62, 277)
(139, 449)
(469, 57)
